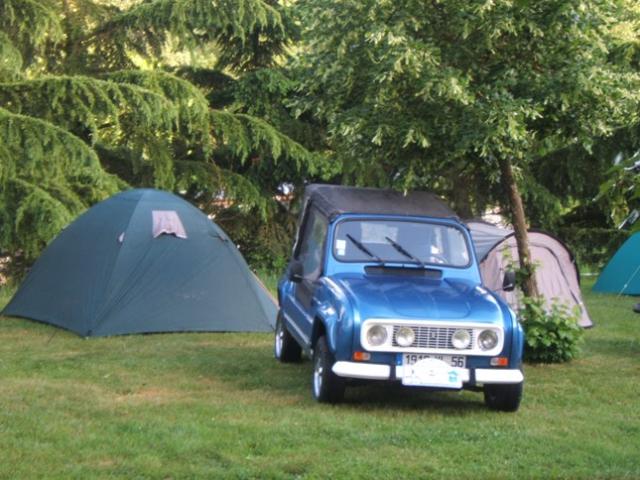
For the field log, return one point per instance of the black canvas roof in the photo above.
(333, 200)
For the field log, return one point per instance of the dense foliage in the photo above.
(97, 96)
(423, 94)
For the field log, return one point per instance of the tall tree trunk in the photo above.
(529, 286)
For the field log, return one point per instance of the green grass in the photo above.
(219, 405)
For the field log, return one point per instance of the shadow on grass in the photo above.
(253, 367)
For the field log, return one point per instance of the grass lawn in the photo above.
(219, 405)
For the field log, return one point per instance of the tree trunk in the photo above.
(529, 286)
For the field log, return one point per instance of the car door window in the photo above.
(312, 245)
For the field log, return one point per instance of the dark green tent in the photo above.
(143, 261)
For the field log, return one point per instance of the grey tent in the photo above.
(143, 261)
(557, 273)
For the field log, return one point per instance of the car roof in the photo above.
(334, 200)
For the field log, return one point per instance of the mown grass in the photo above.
(219, 406)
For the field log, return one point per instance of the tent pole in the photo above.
(629, 281)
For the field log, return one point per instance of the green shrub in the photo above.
(551, 335)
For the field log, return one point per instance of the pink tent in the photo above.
(556, 273)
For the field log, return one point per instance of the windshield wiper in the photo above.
(405, 252)
(364, 249)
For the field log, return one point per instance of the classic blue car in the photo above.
(386, 287)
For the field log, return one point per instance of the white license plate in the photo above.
(458, 361)
(431, 372)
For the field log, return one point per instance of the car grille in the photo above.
(433, 337)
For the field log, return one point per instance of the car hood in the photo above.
(385, 296)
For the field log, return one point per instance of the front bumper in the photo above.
(472, 376)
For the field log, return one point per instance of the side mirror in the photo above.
(509, 281)
(296, 271)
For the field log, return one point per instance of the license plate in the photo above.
(431, 372)
(458, 361)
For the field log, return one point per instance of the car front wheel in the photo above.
(327, 386)
(504, 398)
(285, 347)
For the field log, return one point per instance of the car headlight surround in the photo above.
(461, 339)
(488, 339)
(377, 335)
(405, 336)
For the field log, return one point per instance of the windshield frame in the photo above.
(408, 261)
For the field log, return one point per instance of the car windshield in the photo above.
(400, 241)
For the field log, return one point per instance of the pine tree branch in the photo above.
(47, 176)
(10, 59)
(234, 26)
(94, 109)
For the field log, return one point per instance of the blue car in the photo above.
(385, 287)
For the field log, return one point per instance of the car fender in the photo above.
(514, 335)
(517, 341)
(333, 317)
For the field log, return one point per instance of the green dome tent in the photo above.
(143, 261)
(622, 274)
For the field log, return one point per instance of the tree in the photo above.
(416, 93)
(93, 100)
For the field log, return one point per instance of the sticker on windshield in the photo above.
(341, 247)
(376, 232)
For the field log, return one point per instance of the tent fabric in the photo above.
(556, 275)
(334, 200)
(486, 236)
(106, 274)
(622, 274)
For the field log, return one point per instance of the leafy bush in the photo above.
(551, 335)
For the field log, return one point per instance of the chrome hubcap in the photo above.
(279, 340)
(317, 377)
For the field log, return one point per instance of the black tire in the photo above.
(326, 386)
(504, 398)
(285, 347)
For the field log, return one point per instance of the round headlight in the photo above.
(405, 336)
(460, 339)
(377, 335)
(487, 339)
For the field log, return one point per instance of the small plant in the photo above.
(552, 335)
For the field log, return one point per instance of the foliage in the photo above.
(88, 106)
(552, 335)
(264, 245)
(592, 247)
(567, 184)
(621, 190)
(245, 33)
(416, 93)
